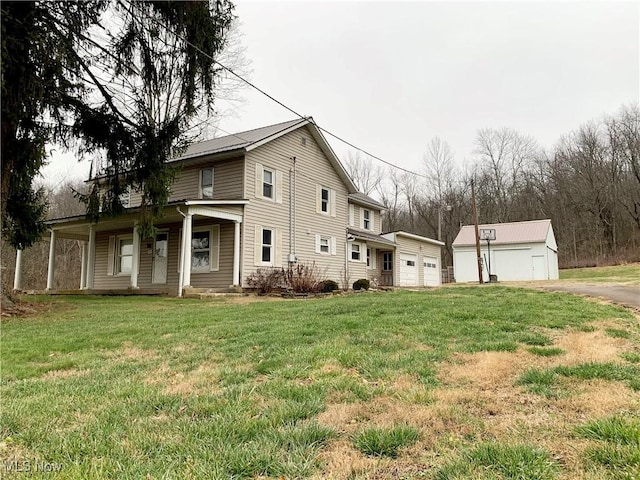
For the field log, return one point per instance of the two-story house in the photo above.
(260, 198)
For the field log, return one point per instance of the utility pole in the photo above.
(475, 223)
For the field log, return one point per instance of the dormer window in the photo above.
(206, 183)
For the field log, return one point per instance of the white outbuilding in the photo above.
(521, 251)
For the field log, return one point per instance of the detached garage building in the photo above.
(522, 251)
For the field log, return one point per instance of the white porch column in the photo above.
(135, 258)
(83, 265)
(186, 253)
(52, 260)
(236, 255)
(91, 258)
(17, 275)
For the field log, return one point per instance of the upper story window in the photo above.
(125, 197)
(206, 183)
(366, 219)
(325, 200)
(267, 183)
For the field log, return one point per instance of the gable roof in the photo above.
(533, 231)
(367, 201)
(251, 139)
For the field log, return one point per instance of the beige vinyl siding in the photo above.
(218, 279)
(222, 278)
(102, 280)
(227, 182)
(357, 270)
(421, 249)
(312, 168)
(357, 218)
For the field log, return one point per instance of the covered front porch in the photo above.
(197, 245)
(377, 255)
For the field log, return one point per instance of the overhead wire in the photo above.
(286, 107)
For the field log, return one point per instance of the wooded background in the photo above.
(588, 184)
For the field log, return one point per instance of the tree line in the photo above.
(588, 184)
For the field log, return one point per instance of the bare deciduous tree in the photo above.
(363, 172)
(439, 167)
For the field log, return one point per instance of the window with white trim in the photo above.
(125, 197)
(201, 251)
(267, 183)
(267, 245)
(206, 183)
(324, 200)
(366, 219)
(124, 255)
(356, 254)
(205, 249)
(324, 245)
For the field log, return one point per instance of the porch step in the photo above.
(202, 293)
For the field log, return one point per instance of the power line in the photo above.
(272, 98)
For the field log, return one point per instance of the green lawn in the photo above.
(629, 274)
(356, 386)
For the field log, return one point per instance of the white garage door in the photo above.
(431, 273)
(408, 270)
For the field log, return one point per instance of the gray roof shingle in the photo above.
(365, 200)
(238, 140)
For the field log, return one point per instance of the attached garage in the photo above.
(417, 263)
(408, 270)
(521, 251)
(431, 271)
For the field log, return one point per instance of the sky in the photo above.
(390, 76)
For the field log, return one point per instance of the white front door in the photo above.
(160, 249)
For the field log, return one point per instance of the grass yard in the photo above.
(456, 383)
(624, 274)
